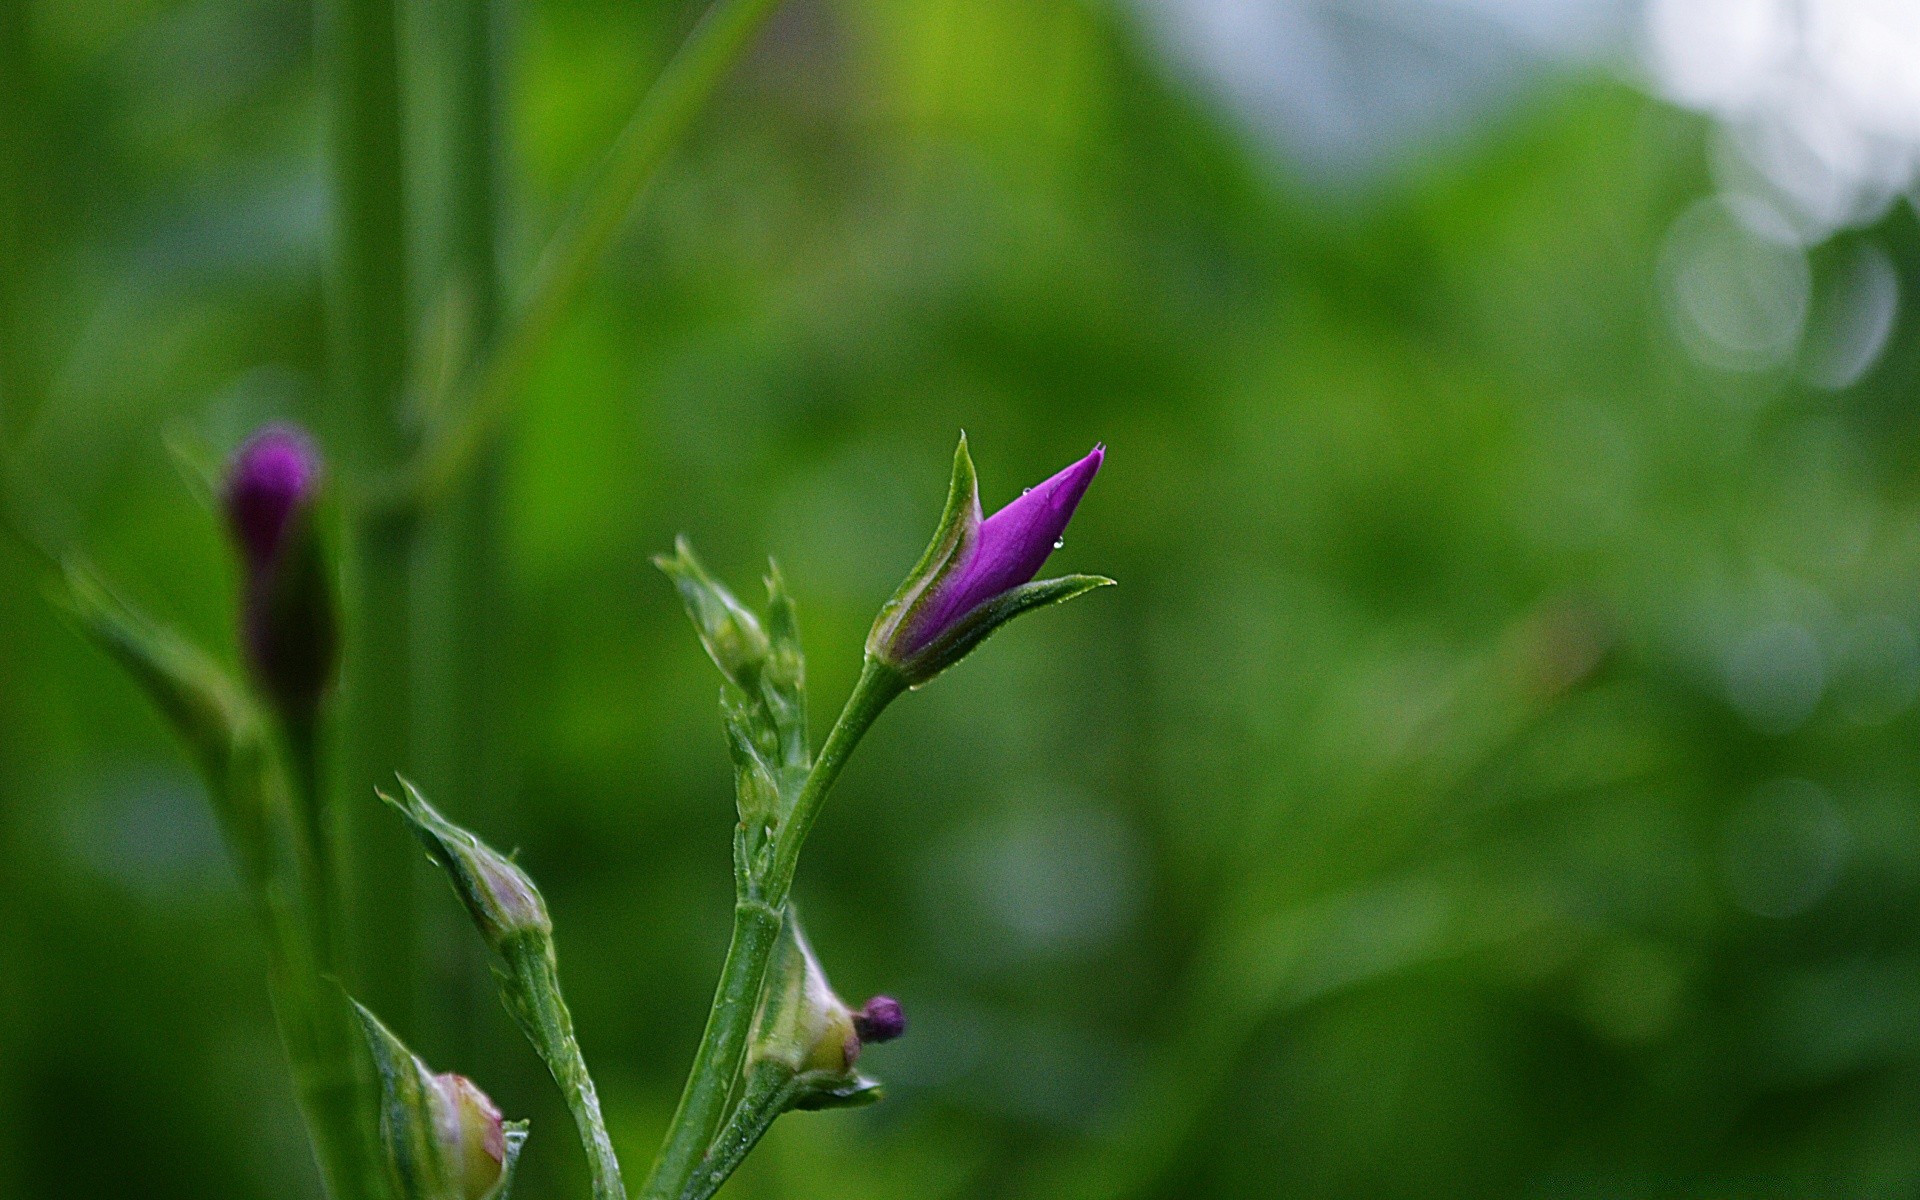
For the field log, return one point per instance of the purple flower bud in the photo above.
(272, 481)
(975, 575)
(880, 1021)
(287, 617)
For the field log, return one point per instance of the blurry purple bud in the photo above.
(880, 1021)
(272, 481)
(975, 576)
(288, 627)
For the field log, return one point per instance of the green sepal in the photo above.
(822, 1094)
(800, 1022)
(498, 895)
(733, 636)
(416, 1166)
(978, 625)
(784, 683)
(959, 526)
(515, 1134)
(756, 791)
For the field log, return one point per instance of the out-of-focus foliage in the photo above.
(1495, 776)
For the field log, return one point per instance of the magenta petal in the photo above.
(1009, 549)
(272, 476)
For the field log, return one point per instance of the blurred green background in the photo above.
(1495, 776)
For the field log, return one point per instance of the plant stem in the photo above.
(456, 656)
(538, 1006)
(756, 930)
(369, 319)
(876, 688)
(19, 367)
(656, 127)
(314, 1029)
(703, 1102)
(768, 1090)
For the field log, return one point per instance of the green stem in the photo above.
(756, 929)
(457, 634)
(369, 320)
(539, 1007)
(656, 127)
(20, 389)
(320, 852)
(769, 1088)
(876, 688)
(315, 1030)
(703, 1102)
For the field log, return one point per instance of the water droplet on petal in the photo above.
(1059, 542)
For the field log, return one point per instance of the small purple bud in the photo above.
(287, 617)
(880, 1021)
(272, 481)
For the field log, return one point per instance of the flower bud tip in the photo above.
(473, 1136)
(882, 1020)
(272, 477)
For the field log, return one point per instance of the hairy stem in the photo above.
(536, 1002)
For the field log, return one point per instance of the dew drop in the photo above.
(1024, 491)
(1059, 542)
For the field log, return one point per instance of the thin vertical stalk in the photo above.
(19, 376)
(549, 1026)
(370, 317)
(457, 656)
(18, 394)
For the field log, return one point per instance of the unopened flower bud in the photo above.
(975, 575)
(498, 895)
(882, 1020)
(443, 1137)
(472, 1135)
(288, 626)
(802, 1024)
(733, 636)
